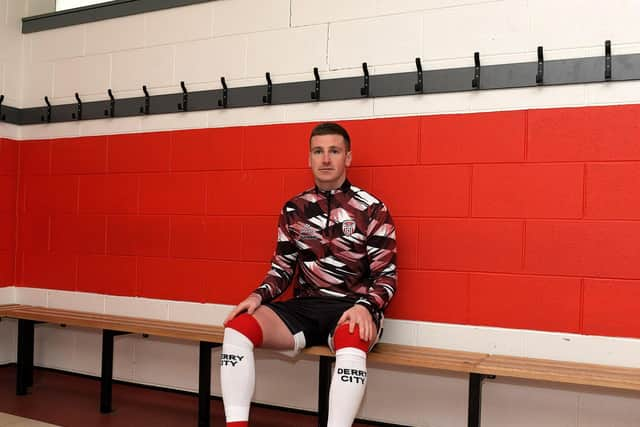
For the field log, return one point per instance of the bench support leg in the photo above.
(106, 376)
(204, 384)
(24, 376)
(475, 398)
(324, 383)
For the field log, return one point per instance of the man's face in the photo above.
(329, 160)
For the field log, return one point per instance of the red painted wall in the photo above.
(8, 186)
(521, 219)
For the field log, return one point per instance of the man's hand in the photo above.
(249, 305)
(359, 315)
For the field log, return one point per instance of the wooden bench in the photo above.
(477, 365)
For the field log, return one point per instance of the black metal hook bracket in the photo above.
(266, 99)
(419, 86)
(500, 76)
(540, 73)
(225, 94)
(316, 92)
(78, 114)
(475, 83)
(147, 101)
(48, 117)
(607, 60)
(364, 90)
(3, 117)
(184, 106)
(111, 112)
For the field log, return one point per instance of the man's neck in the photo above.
(326, 186)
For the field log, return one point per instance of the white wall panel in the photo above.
(415, 397)
(31, 296)
(87, 352)
(300, 374)
(54, 347)
(490, 28)
(167, 363)
(309, 12)
(303, 48)
(38, 83)
(48, 131)
(574, 23)
(111, 126)
(112, 35)
(384, 7)
(8, 339)
(247, 116)
(386, 40)
(85, 75)
(513, 403)
(608, 408)
(208, 60)
(7, 295)
(80, 301)
(249, 16)
(59, 43)
(179, 24)
(150, 66)
(124, 356)
(356, 108)
(191, 312)
(136, 307)
(193, 120)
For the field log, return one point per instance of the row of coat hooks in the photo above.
(315, 95)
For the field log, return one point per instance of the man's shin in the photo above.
(237, 367)
(349, 377)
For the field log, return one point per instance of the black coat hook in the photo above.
(78, 114)
(418, 87)
(475, 83)
(540, 73)
(2, 116)
(48, 117)
(316, 93)
(266, 99)
(225, 94)
(111, 112)
(607, 60)
(364, 90)
(147, 101)
(184, 106)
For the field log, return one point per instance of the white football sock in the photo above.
(347, 386)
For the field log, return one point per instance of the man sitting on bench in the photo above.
(342, 241)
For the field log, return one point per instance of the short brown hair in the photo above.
(331, 128)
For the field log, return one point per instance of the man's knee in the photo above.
(248, 326)
(342, 338)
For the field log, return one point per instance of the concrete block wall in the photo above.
(242, 40)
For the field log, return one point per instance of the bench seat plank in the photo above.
(562, 372)
(163, 328)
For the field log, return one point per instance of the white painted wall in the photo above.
(242, 39)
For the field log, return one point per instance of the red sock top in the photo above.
(248, 326)
(342, 338)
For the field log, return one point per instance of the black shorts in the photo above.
(315, 318)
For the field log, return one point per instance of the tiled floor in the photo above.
(8, 420)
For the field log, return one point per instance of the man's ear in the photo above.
(347, 160)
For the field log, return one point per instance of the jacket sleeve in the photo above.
(381, 252)
(283, 263)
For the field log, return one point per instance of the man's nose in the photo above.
(326, 158)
